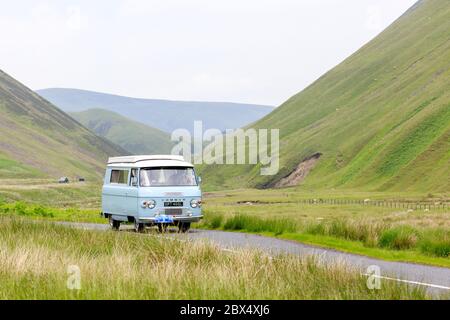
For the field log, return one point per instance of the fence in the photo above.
(441, 205)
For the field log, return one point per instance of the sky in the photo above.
(253, 51)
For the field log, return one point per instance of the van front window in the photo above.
(167, 176)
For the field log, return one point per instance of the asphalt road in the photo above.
(434, 279)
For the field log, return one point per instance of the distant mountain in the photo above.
(162, 114)
(135, 137)
(378, 121)
(39, 140)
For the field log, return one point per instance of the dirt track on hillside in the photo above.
(10, 184)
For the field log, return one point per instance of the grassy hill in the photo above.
(37, 140)
(380, 119)
(162, 114)
(135, 137)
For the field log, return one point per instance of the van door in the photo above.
(132, 194)
(115, 191)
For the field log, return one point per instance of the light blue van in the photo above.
(157, 190)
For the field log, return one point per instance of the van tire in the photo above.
(138, 227)
(115, 225)
(184, 227)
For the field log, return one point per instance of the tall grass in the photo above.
(431, 241)
(34, 257)
(371, 232)
(212, 220)
(436, 243)
(399, 238)
(366, 231)
(255, 224)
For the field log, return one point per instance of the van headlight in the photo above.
(148, 204)
(151, 204)
(196, 203)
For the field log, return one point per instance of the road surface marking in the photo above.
(408, 281)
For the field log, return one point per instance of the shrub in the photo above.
(213, 220)
(21, 209)
(43, 212)
(237, 222)
(399, 238)
(280, 226)
(436, 242)
(356, 230)
(216, 221)
(254, 224)
(316, 228)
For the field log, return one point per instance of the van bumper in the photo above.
(175, 219)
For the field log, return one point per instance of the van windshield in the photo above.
(167, 176)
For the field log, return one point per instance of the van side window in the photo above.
(119, 176)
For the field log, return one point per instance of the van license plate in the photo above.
(164, 219)
(173, 204)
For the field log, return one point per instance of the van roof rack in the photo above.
(134, 159)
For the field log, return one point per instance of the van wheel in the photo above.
(115, 225)
(184, 227)
(162, 227)
(138, 227)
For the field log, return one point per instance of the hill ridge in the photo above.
(380, 118)
(135, 137)
(38, 139)
(166, 115)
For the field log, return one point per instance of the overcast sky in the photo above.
(256, 51)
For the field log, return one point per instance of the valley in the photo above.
(164, 115)
(364, 176)
(134, 137)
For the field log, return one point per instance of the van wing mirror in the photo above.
(134, 181)
(199, 180)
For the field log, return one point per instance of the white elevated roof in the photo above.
(149, 161)
(134, 159)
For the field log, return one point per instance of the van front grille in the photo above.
(173, 212)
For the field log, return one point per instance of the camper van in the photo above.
(156, 190)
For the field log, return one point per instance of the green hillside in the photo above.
(380, 119)
(37, 140)
(135, 137)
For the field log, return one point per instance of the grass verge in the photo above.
(371, 238)
(355, 247)
(43, 212)
(35, 258)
